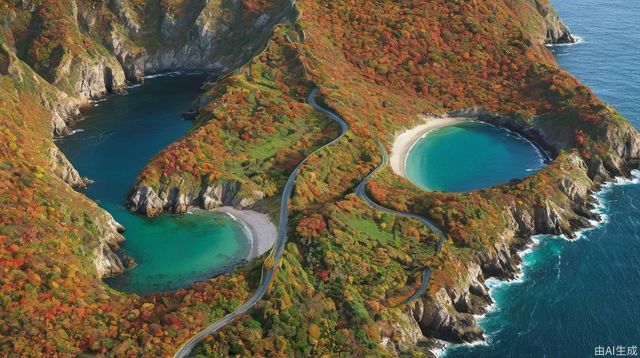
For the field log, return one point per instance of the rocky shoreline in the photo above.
(450, 315)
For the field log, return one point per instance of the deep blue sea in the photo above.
(111, 146)
(575, 296)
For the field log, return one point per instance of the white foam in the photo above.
(578, 40)
(164, 74)
(601, 206)
(245, 228)
(439, 351)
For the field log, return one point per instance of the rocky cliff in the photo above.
(448, 314)
(179, 198)
(556, 32)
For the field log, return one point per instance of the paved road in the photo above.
(278, 248)
(361, 191)
(276, 251)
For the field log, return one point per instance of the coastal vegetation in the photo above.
(347, 269)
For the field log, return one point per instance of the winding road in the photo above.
(276, 251)
(361, 192)
(278, 248)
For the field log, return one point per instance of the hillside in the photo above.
(347, 269)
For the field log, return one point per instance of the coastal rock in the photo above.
(144, 200)
(435, 320)
(219, 195)
(106, 258)
(244, 201)
(556, 32)
(61, 167)
(547, 220)
(179, 197)
(500, 261)
(100, 78)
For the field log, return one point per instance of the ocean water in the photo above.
(111, 146)
(470, 155)
(575, 296)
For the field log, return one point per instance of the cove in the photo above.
(575, 296)
(111, 146)
(470, 155)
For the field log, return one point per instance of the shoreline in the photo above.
(404, 141)
(259, 228)
(535, 242)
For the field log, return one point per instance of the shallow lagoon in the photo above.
(111, 146)
(469, 156)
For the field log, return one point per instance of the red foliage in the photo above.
(311, 226)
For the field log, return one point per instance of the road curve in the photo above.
(276, 251)
(278, 248)
(361, 192)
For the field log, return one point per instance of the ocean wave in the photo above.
(164, 74)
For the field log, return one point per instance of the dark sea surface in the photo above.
(111, 146)
(575, 296)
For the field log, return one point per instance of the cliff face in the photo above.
(555, 31)
(178, 199)
(449, 313)
(87, 50)
(347, 268)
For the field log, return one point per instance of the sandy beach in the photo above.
(405, 140)
(263, 231)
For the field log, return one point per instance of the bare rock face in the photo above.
(61, 166)
(178, 198)
(436, 320)
(556, 31)
(244, 201)
(219, 195)
(144, 200)
(98, 79)
(106, 258)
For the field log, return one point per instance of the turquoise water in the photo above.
(111, 146)
(575, 296)
(470, 155)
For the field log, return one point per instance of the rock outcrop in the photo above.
(144, 200)
(106, 258)
(556, 32)
(61, 167)
(179, 198)
(100, 48)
